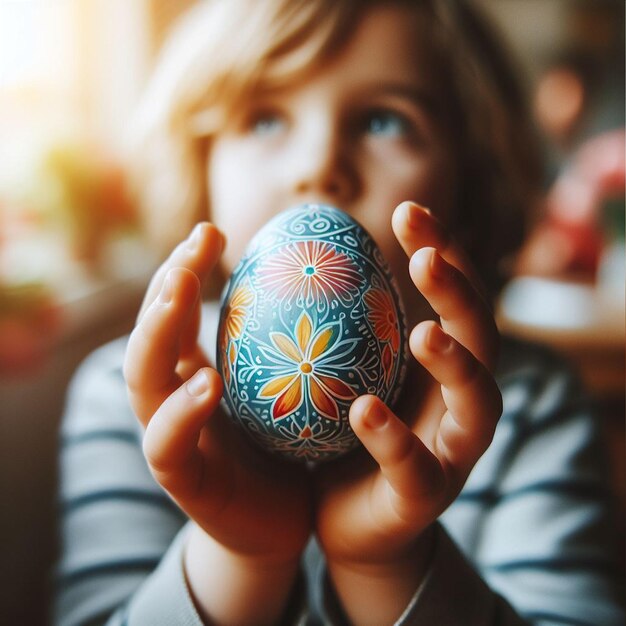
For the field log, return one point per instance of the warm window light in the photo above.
(82, 60)
(18, 50)
(76, 62)
(38, 77)
(35, 38)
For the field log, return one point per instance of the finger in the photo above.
(415, 227)
(199, 253)
(471, 395)
(153, 348)
(410, 469)
(170, 442)
(463, 312)
(191, 359)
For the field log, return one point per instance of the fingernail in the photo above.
(165, 295)
(437, 266)
(222, 241)
(414, 214)
(437, 340)
(194, 238)
(198, 384)
(375, 417)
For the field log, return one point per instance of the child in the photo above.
(368, 106)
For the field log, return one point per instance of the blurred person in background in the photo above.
(578, 106)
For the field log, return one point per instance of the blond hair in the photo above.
(221, 50)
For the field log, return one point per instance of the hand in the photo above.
(372, 519)
(251, 515)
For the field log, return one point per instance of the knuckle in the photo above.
(131, 369)
(498, 404)
(486, 426)
(484, 437)
(154, 457)
(403, 450)
(469, 370)
(129, 373)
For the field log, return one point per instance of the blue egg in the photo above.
(310, 319)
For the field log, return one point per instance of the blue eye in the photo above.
(267, 124)
(386, 123)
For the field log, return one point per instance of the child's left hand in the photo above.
(372, 520)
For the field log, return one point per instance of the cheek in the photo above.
(440, 188)
(234, 205)
(433, 183)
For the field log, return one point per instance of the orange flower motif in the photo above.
(304, 372)
(234, 322)
(382, 314)
(310, 272)
(236, 311)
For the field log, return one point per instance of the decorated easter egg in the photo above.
(310, 319)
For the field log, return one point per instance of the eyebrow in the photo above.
(418, 95)
(421, 97)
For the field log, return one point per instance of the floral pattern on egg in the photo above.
(310, 320)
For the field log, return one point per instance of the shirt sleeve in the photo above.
(163, 598)
(120, 534)
(451, 594)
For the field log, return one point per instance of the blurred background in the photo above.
(73, 266)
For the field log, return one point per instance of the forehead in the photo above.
(387, 50)
(389, 39)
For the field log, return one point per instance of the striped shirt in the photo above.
(528, 540)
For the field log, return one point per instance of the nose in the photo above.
(324, 166)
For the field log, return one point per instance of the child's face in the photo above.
(362, 134)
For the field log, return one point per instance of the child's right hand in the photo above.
(374, 515)
(252, 517)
